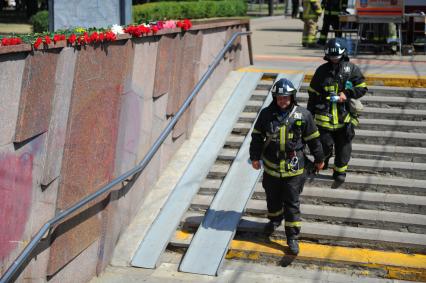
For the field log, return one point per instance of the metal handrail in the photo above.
(23, 256)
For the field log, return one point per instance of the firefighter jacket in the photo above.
(311, 9)
(279, 139)
(334, 7)
(330, 79)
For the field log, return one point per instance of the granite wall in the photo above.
(73, 119)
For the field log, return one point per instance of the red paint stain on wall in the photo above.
(15, 202)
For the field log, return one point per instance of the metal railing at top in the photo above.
(11, 273)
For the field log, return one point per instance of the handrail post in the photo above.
(23, 256)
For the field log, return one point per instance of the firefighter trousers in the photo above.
(341, 140)
(309, 32)
(282, 200)
(328, 21)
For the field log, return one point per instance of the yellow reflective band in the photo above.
(283, 174)
(329, 88)
(328, 125)
(347, 119)
(314, 135)
(290, 135)
(278, 213)
(341, 169)
(361, 85)
(299, 123)
(270, 164)
(322, 118)
(293, 224)
(282, 138)
(313, 90)
(355, 121)
(282, 166)
(256, 131)
(334, 113)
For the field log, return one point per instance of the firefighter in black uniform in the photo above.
(278, 139)
(333, 98)
(332, 10)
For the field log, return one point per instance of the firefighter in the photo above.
(278, 139)
(332, 10)
(333, 101)
(311, 12)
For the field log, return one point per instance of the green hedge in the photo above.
(40, 21)
(189, 10)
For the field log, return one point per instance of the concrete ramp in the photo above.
(163, 228)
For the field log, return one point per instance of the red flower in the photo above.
(16, 41)
(62, 37)
(154, 29)
(94, 37)
(5, 41)
(110, 36)
(72, 38)
(184, 25)
(47, 40)
(56, 38)
(38, 42)
(101, 36)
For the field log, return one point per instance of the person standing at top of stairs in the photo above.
(332, 10)
(279, 136)
(333, 101)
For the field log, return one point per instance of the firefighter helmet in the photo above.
(335, 48)
(284, 87)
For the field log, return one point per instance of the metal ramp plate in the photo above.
(210, 243)
(162, 229)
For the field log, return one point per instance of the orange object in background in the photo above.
(379, 8)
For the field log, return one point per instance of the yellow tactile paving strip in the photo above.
(397, 265)
(372, 79)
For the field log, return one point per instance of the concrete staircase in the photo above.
(381, 208)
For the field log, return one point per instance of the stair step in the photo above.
(366, 151)
(387, 91)
(395, 138)
(245, 121)
(370, 183)
(380, 101)
(415, 223)
(330, 234)
(350, 198)
(368, 112)
(373, 166)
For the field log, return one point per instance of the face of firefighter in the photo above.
(335, 59)
(283, 101)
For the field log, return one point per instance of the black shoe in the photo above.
(293, 245)
(339, 179)
(271, 226)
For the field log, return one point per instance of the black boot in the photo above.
(293, 245)
(339, 179)
(271, 226)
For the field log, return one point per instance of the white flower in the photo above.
(117, 29)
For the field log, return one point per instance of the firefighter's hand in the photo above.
(342, 97)
(319, 166)
(256, 164)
